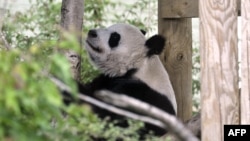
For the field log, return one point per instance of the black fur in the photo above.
(130, 87)
(155, 45)
(143, 31)
(92, 33)
(114, 39)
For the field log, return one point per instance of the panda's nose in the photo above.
(92, 33)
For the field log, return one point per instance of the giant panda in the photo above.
(129, 65)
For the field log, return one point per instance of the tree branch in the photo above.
(164, 120)
(171, 122)
(108, 107)
(6, 44)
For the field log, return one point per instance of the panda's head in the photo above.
(121, 47)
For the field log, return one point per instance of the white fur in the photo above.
(155, 76)
(129, 54)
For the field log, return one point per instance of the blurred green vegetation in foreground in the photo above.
(31, 107)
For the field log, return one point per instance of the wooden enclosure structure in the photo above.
(221, 101)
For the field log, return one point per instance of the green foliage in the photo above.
(101, 13)
(30, 104)
(38, 24)
(196, 78)
(28, 99)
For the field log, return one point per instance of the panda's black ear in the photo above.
(155, 44)
(143, 31)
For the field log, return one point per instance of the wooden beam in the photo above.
(177, 59)
(245, 63)
(182, 8)
(219, 67)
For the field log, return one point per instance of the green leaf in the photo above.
(12, 102)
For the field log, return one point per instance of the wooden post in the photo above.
(72, 20)
(219, 67)
(245, 63)
(177, 58)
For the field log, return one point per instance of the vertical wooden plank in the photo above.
(177, 59)
(245, 63)
(219, 67)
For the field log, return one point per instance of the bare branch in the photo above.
(109, 107)
(121, 111)
(171, 122)
(6, 44)
(193, 124)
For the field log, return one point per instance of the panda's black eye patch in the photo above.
(114, 39)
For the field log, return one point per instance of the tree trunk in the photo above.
(72, 21)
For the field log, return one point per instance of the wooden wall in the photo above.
(222, 102)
